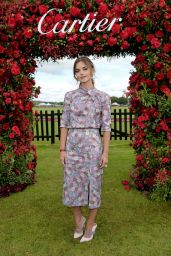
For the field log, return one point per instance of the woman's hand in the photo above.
(63, 157)
(104, 160)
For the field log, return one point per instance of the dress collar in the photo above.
(85, 89)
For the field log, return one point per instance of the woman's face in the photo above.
(83, 72)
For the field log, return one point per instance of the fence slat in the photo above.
(120, 124)
(115, 123)
(59, 121)
(52, 127)
(37, 126)
(47, 125)
(41, 125)
(125, 123)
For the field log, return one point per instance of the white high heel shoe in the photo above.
(88, 235)
(79, 231)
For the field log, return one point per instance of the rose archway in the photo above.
(141, 28)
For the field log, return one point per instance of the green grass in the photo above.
(34, 222)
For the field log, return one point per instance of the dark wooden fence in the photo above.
(46, 125)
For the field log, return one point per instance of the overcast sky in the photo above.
(56, 78)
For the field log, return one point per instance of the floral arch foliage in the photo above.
(142, 28)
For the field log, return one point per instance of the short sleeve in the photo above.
(65, 118)
(106, 113)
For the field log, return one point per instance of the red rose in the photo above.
(155, 43)
(4, 38)
(127, 188)
(158, 65)
(167, 48)
(2, 117)
(43, 9)
(139, 38)
(139, 157)
(16, 130)
(21, 107)
(125, 182)
(159, 33)
(33, 8)
(104, 36)
(169, 135)
(83, 37)
(29, 106)
(167, 16)
(2, 148)
(11, 135)
(5, 126)
(71, 39)
(159, 76)
(162, 3)
(23, 61)
(16, 54)
(19, 17)
(97, 39)
(112, 41)
(58, 17)
(90, 42)
(124, 34)
(169, 74)
(149, 37)
(167, 26)
(15, 69)
(28, 33)
(81, 44)
(50, 35)
(2, 49)
(125, 45)
(89, 6)
(103, 9)
(12, 23)
(61, 35)
(30, 166)
(116, 28)
(8, 100)
(144, 48)
(74, 11)
(165, 160)
(162, 126)
(165, 89)
(49, 19)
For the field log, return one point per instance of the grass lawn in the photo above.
(34, 222)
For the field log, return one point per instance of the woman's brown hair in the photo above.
(86, 61)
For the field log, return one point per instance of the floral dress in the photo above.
(84, 112)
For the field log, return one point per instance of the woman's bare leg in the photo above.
(91, 218)
(77, 215)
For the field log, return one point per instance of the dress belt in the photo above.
(83, 128)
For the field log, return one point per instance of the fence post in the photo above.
(125, 123)
(115, 124)
(59, 121)
(52, 127)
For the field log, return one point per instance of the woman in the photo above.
(82, 152)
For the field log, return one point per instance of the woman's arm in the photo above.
(106, 129)
(63, 137)
(106, 141)
(105, 152)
